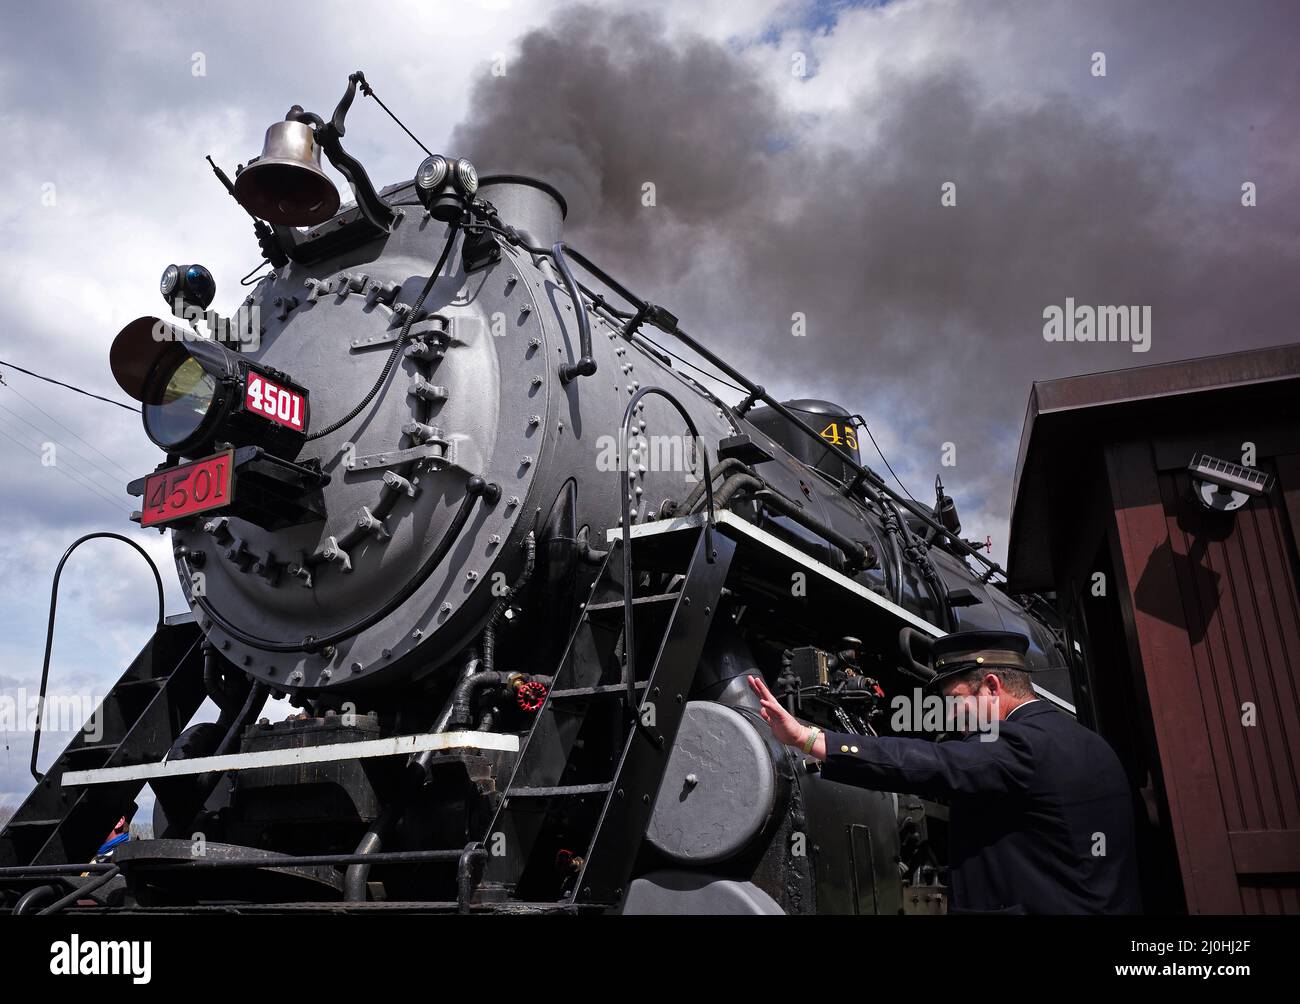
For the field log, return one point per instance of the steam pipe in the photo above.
(472, 663)
(773, 499)
(719, 469)
(585, 366)
(251, 709)
(916, 552)
(891, 519)
(501, 605)
(855, 552)
(462, 703)
(354, 882)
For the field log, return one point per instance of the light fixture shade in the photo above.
(139, 346)
(286, 185)
(195, 391)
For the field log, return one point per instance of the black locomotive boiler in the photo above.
(437, 482)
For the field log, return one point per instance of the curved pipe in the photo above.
(773, 499)
(32, 899)
(719, 469)
(462, 702)
(586, 365)
(853, 551)
(499, 609)
(890, 517)
(917, 554)
(728, 489)
(354, 882)
(251, 709)
(225, 695)
(471, 667)
(49, 630)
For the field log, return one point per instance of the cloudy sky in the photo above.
(798, 154)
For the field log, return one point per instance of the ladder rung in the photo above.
(14, 824)
(636, 602)
(91, 748)
(605, 690)
(562, 791)
(148, 681)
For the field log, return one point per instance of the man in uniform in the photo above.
(1040, 817)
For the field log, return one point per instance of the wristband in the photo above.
(813, 733)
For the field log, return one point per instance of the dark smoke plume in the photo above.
(928, 319)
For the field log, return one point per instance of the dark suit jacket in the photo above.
(1027, 810)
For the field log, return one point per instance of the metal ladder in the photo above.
(571, 820)
(140, 719)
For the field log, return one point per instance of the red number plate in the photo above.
(270, 400)
(194, 487)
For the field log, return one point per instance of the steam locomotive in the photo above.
(513, 564)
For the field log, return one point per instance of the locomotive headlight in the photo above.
(445, 187)
(196, 393)
(190, 283)
(466, 176)
(181, 394)
(431, 175)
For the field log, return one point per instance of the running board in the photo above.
(394, 746)
(755, 542)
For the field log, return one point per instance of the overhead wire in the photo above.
(68, 472)
(53, 440)
(97, 397)
(91, 446)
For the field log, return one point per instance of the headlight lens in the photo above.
(178, 401)
(198, 394)
(466, 176)
(170, 277)
(432, 173)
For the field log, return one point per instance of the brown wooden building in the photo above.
(1185, 621)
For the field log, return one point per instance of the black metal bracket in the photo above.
(328, 135)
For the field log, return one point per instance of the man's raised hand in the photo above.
(785, 726)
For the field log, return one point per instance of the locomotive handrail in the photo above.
(625, 481)
(49, 630)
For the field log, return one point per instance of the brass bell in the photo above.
(286, 185)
